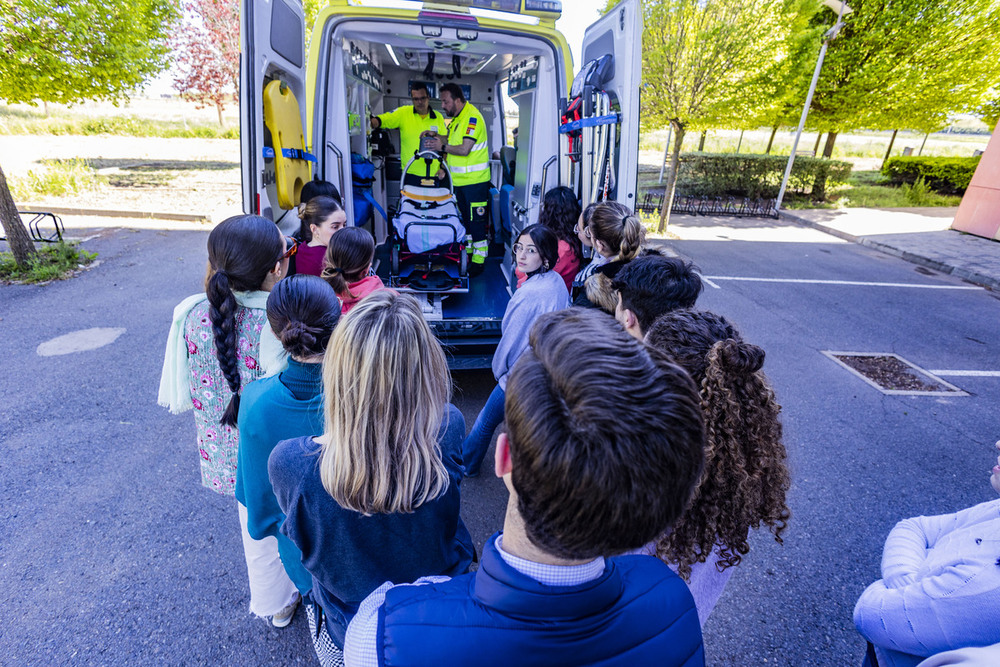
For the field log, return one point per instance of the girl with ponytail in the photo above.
(348, 264)
(321, 217)
(745, 478)
(617, 234)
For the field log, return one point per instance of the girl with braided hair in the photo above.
(218, 343)
(745, 478)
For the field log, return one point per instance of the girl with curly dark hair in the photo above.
(560, 211)
(745, 478)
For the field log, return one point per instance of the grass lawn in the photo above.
(869, 189)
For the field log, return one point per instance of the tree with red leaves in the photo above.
(207, 49)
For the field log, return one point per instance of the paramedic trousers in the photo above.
(474, 207)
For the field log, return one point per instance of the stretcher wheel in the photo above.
(394, 260)
(463, 261)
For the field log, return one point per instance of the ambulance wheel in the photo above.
(463, 262)
(394, 261)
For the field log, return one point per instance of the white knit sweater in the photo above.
(940, 587)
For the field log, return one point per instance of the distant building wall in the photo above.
(979, 212)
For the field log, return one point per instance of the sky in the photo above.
(577, 15)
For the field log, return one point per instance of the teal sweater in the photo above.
(288, 405)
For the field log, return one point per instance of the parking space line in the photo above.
(856, 283)
(968, 374)
(708, 282)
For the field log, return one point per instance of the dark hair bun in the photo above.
(298, 338)
(740, 357)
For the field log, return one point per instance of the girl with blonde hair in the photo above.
(375, 498)
(616, 234)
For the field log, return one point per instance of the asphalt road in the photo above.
(112, 553)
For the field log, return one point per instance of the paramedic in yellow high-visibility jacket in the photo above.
(412, 121)
(467, 154)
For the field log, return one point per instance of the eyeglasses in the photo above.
(585, 230)
(293, 247)
(531, 250)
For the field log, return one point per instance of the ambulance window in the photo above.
(509, 111)
(287, 33)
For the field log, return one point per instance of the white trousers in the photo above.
(270, 588)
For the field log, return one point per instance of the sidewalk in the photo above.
(919, 235)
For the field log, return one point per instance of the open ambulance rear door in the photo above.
(275, 160)
(608, 85)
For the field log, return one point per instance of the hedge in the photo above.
(756, 176)
(950, 175)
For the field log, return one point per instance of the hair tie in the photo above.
(625, 219)
(336, 269)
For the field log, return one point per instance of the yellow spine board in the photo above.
(284, 120)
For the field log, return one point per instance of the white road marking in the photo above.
(708, 282)
(79, 341)
(857, 283)
(968, 374)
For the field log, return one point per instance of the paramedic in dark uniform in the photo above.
(467, 153)
(412, 121)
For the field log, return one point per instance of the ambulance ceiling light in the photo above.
(485, 63)
(392, 54)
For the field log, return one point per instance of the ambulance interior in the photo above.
(508, 77)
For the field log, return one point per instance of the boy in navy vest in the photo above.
(603, 447)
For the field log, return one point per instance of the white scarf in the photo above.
(175, 388)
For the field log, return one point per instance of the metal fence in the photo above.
(652, 202)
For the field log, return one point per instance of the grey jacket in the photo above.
(541, 293)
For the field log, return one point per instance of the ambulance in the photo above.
(305, 114)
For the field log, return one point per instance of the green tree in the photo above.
(906, 63)
(207, 53)
(68, 51)
(714, 63)
(17, 236)
(989, 111)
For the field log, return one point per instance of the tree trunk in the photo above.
(816, 145)
(45, 105)
(17, 236)
(740, 143)
(888, 151)
(701, 140)
(831, 139)
(222, 121)
(668, 193)
(770, 142)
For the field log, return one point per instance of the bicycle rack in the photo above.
(34, 228)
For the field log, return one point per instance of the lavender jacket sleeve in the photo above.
(540, 294)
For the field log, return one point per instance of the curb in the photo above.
(110, 213)
(967, 275)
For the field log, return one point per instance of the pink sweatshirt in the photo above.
(360, 290)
